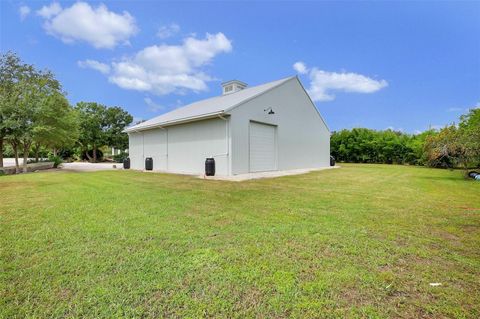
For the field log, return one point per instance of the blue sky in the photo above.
(404, 65)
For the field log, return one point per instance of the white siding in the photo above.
(303, 139)
(135, 150)
(183, 148)
(190, 144)
(262, 147)
(155, 146)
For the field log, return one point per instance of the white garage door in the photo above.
(262, 147)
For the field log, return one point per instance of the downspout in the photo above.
(167, 151)
(166, 146)
(227, 143)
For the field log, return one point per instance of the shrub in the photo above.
(57, 160)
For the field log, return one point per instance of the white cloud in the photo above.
(49, 11)
(152, 106)
(323, 82)
(163, 69)
(81, 22)
(24, 11)
(92, 64)
(168, 31)
(300, 67)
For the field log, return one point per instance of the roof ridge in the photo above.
(210, 107)
(281, 81)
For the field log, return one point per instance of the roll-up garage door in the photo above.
(262, 147)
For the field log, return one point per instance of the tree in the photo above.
(11, 69)
(100, 126)
(416, 144)
(363, 145)
(91, 124)
(456, 146)
(57, 124)
(14, 82)
(443, 149)
(38, 88)
(116, 120)
(25, 93)
(469, 128)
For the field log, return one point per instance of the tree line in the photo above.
(452, 146)
(36, 117)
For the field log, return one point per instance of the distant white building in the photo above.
(273, 126)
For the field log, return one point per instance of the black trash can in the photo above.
(332, 161)
(210, 166)
(148, 163)
(126, 163)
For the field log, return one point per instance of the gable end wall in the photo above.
(303, 139)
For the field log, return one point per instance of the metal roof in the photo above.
(207, 108)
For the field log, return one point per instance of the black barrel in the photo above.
(126, 163)
(332, 161)
(210, 166)
(149, 163)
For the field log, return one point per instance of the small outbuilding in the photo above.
(273, 126)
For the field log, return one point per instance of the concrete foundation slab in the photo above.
(272, 174)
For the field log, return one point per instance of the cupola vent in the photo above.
(232, 86)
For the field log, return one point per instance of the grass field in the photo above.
(360, 241)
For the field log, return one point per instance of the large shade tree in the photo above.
(101, 126)
(57, 125)
(116, 120)
(11, 70)
(32, 104)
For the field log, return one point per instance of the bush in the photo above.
(119, 158)
(57, 160)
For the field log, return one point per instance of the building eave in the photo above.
(175, 122)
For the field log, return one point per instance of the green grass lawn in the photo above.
(360, 241)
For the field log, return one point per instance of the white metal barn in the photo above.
(273, 126)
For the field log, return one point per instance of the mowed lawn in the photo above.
(360, 241)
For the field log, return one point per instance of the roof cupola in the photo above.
(232, 86)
